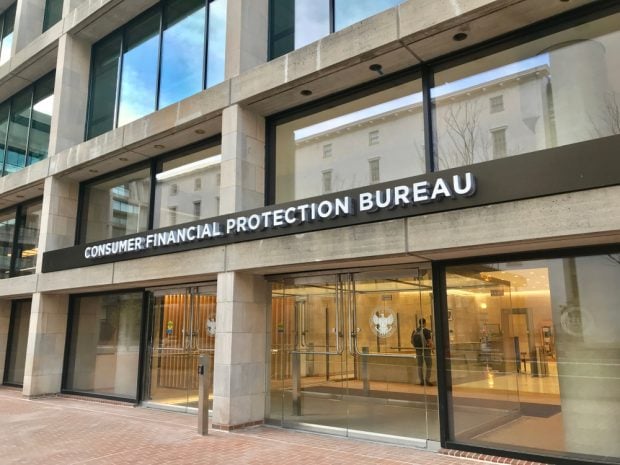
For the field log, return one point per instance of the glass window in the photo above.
(28, 240)
(498, 138)
(104, 344)
(557, 90)
(7, 235)
(197, 184)
(103, 86)
(281, 27)
(197, 209)
(373, 137)
(119, 206)
(327, 150)
(396, 113)
(4, 126)
(311, 21)
(17, 139)
(7, 24)
(42, 106)
(217, 42)
(183, 40)
(53, 13)
(327, 181)
(349, 12)
(535, 355)
(375, 175)
(139, 80)
(16, 353)
(182, 172)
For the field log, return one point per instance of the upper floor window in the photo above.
(327, 151)
(496, 103)
(373, 137)
(53, 13)
(25, 121)
(498, 139)
(120, 203)
(327, 181)
(156, 55)
(19, 238)
(7, 24)
(373, 166)
(295, 23)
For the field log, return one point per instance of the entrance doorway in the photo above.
(342, 359)
(18, 340)
(181, 329)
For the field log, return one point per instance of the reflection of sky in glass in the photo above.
(489, 76)
(359, 115)
(217, 42)
(351, 11)
(181, 63)
(44, 106)
(139, 81)
(311, 21)
(5, 50)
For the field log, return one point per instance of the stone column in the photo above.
(239, 387)
(242, 185)
(46, 344)
(5, 316)
(60, 199)
(247, 25)
(28, 23)
(70, 93)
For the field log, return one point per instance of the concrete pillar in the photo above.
(242, 183)
(28, 22)
(239, 379)
(46, 344)
(5, 316)
(70, 93)
(247, 27)
(59, 213)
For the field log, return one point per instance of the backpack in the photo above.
(417, 338)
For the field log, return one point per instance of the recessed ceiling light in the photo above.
(306, 92)
(19, 196)
(459, 36)
(159, 146)
(377, 68)
(123, 158)
(93, 171)
(199, 131)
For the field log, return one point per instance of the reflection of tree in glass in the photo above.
(465, 143)
(609, 117)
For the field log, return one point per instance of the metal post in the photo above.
(203, 394)
(296, 383)
(365, 377)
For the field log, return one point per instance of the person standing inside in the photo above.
(423, 344)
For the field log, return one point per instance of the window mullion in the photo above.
(14, 248)
(427, 110)
(206, 43)
(161, 38)
(119, 74)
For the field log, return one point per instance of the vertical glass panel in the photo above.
(53, 13)
(16, 359)
(281, 27)
(119, 206)
(28, 240)
(396, 113)
(348, 12)
(182, 46)
(7, 232)
(216, 50)
(104, 345)
(139, 71)
(43, 103)
(558, 90)
(4, 126)
(103, 86)
(535, 355)
(6, 40)
(18, 132)
(175, 190)
(311, 21)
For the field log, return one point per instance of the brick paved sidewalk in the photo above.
(56, 430)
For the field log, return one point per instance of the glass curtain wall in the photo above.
(342, 359)
(17, 344)
(557, 90)
(295, 23)
(104, 344)
(534, 358)
(19, 236)
(186, 188)
(25, 122)
(375, 138)
(7, 25)
(7, 237)
(53, 13)
(151, 62)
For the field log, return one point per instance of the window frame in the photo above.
(18, 214)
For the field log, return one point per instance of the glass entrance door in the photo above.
(182, 327)
(342, 358)
(18, 340)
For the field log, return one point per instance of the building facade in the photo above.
(295, 188)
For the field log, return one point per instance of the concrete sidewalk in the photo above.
(59, 430)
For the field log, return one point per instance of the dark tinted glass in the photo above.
(281, 27)
(217, 42)
(53, 13)
(18, 132)
(16, 359)
(182, 46)
(7, 230)
(4, 125)
(103, 86)
(139, 73)
(28, 240)
(38, 140)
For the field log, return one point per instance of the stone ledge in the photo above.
(220, 427)
(486, 457)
